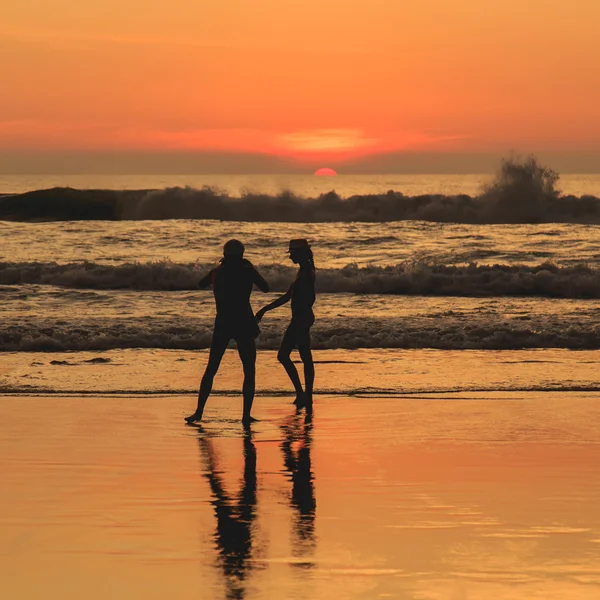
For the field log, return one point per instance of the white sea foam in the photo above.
(349, 333)
(414, 277)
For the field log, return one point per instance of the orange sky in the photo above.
(303, 80)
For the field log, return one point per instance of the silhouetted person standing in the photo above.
(232, 283)
(297, 335)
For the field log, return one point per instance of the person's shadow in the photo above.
(296, 446)
(235, 516)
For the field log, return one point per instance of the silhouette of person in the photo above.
(232, 283)
(302, 296)
(302, 499)
(235, 517)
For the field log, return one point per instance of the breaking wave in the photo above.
(413, 277)
(328, 334)
(506, 205)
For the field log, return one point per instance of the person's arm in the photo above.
(260, 281)
(276, 303)
(205, 281)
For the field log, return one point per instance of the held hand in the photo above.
(259, 315)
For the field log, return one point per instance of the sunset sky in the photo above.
(311, 82)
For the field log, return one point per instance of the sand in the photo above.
(338, 372)
(432, 496)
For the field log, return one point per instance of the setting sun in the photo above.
(325, 172)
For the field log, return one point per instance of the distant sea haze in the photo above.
(294, 198)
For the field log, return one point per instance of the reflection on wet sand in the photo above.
(489, 496)
(235, 516)
(295, 446)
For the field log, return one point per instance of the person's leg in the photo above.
(217, 350)
(247, 350)
(288, 343)
(303, 342)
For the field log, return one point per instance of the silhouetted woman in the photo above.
(297, 335)
(302, 499)
(232, 283)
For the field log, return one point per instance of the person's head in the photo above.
(233, 249)
(300, 252)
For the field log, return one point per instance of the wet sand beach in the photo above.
(420, 496)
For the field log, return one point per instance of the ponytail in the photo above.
(308, 256)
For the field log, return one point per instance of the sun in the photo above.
(325, 172)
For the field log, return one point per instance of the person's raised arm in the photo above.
(205, 281)
(260, 281)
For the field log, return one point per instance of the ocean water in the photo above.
(521, 198)
(74, 285)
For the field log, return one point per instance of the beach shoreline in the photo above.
(359, 372)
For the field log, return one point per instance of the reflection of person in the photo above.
(302, 296)
(235, 517)
(232, 283)
(302, 499)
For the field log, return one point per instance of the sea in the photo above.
(129, 282)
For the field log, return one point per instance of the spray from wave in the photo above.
(524, 192)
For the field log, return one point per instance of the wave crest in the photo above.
(508, 204)
(331, 334)
(412, 277)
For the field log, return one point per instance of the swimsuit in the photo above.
(303, 298)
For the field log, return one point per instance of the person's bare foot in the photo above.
(197, 416)
(247, 420)
(300, 400)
